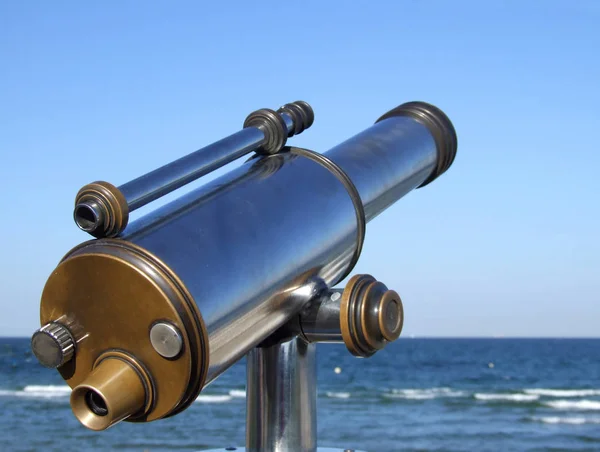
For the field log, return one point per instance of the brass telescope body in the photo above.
(140, 320)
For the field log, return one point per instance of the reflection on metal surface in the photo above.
(321, 322)
(281, 397)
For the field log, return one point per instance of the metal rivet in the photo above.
(166, 339)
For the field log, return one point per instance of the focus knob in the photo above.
(371, 316)
(53, 345)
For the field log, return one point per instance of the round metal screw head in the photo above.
(166, 339)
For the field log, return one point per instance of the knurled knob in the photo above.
(53, 345)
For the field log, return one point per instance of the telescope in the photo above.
(144, 315)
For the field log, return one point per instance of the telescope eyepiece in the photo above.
(96, 403)
(101, 210)
(89, 217)
(116, 389)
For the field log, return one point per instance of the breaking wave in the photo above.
(237, 393)
(38, 391)
(213, 398)
(566, 420)
(507, 397)
(423, 394)
(563, 392)
(337, 395)
(581, 405)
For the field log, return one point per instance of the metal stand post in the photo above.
(281, 388)
(281, 397)
(281, 400)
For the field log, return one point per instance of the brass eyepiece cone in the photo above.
(112, 392)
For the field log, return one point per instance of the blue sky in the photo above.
(505, 243)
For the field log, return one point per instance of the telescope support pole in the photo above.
(281, 393)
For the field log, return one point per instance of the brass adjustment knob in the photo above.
(53, 345)
(371, 316)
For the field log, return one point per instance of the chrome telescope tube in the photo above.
(102, 209)
(255, 229)
(219, 270)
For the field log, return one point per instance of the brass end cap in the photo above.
(101, 210)
(371, 316)
(439, 125)
(112, 292)
(118, 388)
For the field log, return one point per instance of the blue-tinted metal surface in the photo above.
(180, 172)
(246, 241)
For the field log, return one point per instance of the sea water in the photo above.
(417, 394)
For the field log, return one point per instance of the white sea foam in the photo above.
(563, 392)
(507, 397)
(395, 395)
(213, 398)
(38, 392)
(338, 395)
(582, 405)
(423, 394)
(566, 420)
(237, 393)
(436, 392)
(49, 388)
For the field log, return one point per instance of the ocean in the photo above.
(416, 395)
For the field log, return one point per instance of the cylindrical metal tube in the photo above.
(180, 172)
(321, 323)
(112, 392)
(281, 407)
(387, 160)
(105, 213)
(255, 229)
(233, 261)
